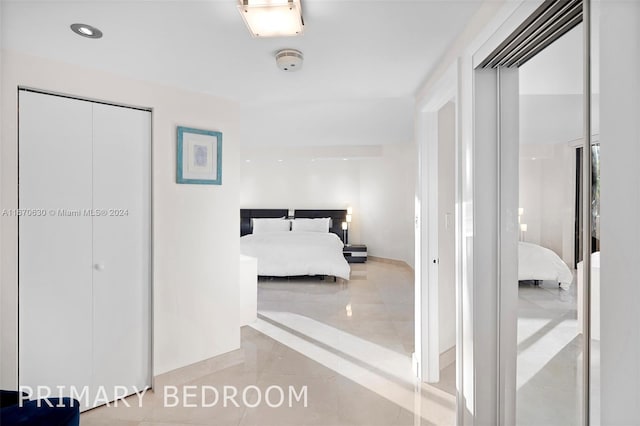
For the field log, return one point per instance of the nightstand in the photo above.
(355, 253)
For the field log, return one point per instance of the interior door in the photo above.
(84, 248)
(121, 247)
(446, 233)
(55, 283)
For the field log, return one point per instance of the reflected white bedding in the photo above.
(282, 254)
(539, 263)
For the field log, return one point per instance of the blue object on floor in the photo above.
(8, 398)
(40, 412)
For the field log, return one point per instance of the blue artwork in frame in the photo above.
(199, 156)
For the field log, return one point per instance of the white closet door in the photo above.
(55, 275)
(121, 247)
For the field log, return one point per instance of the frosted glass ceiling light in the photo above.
(272, 18)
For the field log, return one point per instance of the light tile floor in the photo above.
(376, 304)
(350, 343)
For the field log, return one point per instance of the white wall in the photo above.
(550, 119)
(377, 181)
(387, 191)
(379, 121)
(446, 226)
(547, 195)
(195, 227)
(619, 62)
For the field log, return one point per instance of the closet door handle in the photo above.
(99, 266)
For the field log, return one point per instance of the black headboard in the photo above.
(337, 217)
(247, 214)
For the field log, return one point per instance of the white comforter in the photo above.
(282, 254)
(538, 263)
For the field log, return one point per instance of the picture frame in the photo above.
(199, 159)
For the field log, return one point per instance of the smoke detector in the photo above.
(289, 59)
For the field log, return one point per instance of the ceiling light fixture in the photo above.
(272, 18)
(85, 30)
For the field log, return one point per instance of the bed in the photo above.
(309, 243)
(537, 263)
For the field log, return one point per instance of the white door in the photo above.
(85, 266)
(55, 284)
(121, 276)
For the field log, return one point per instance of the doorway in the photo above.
(446, 247)
(437, 277)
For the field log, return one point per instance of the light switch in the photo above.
(448, 221)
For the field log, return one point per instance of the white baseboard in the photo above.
(390, 261)
(415, 363)
(447, 357)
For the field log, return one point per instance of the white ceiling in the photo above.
(364, 59)
(353, 49)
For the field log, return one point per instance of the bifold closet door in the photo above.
(55, 275)
(84, 263)
(121, 273)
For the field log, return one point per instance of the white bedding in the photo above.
(538, 263)
(282, 254)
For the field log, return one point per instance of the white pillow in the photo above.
(311, 225)
(261, 226)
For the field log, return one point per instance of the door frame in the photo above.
(474, 405)
(495, 100)
(427, 354)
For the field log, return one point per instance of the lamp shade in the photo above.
(348, 218)
(272, 18)
(349, 210)
(523, 227)
(345, 226)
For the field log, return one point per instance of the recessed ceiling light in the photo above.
(86, 30)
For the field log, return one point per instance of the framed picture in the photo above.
(199, 156)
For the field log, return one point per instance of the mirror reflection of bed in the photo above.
(537, 264)
(551, 131)
(548, 338)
